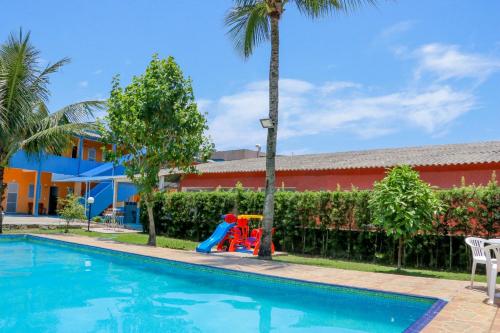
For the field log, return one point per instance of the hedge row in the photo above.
(337, 224)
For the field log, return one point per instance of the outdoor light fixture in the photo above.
(267, 123)
(90, 201)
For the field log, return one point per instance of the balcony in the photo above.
(52, 163)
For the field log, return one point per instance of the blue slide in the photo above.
(216, 237)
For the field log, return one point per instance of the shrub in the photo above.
(97, 219)
(71, 210)
(339, 224)
(402, 204)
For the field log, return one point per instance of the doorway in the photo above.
(54, 191)
(74, 152)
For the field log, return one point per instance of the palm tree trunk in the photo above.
(265, 246)
(2, 194)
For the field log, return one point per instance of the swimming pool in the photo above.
(54, 286)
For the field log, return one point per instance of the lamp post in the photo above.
(90, 201)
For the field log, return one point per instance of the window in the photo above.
(31, 191)
(198, 189)
(11, 202)
(213, 189)
(286, 189)
(91, 154)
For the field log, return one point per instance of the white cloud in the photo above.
(449, 62)
(97, 72)
(306, 110)
(83, 84)
(397, 29)
(203, 104)
(431, 103)
(331, 87)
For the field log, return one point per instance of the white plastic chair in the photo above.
(478, 255)
(492, 269)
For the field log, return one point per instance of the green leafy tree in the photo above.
(250, 23)
(25, 121)
(487, 207)
(156, 123)
(72, 210)
(402, 204)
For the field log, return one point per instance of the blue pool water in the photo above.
(51, 286)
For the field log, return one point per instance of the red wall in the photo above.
(441, 176)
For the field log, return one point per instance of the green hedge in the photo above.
(337, 224)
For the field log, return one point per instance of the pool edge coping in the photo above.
(415, 327)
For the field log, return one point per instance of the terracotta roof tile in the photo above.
(452, 154)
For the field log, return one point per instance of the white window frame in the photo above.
(94, 152)
(12, 188)
(198, 189)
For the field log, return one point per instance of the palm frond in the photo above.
(41, 110)
(3, 91)
(54, 139)
(248, 23)
(52, 132)
(41, 80)
(23, 83)
(25, 121)
(319, 8)
(20, 61)
(80, 112)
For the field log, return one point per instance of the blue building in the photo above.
(36, 185)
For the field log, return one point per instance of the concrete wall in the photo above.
(440, 176)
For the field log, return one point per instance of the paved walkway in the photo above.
(29, 221)
(466, 311)
(36, 221)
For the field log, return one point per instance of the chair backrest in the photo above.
(494, 248)
(477, 246)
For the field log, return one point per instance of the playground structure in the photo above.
(233, 235)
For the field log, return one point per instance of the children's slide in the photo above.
(219, 233)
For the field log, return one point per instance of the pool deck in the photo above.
(466, 310)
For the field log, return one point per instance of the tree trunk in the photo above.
(2, 194)
(400, 252)
(265, 246)
(349, 236)
(451, 253)
(151, 218)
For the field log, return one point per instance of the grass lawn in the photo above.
(367, 267)
(180, 244)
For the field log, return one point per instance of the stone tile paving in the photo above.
(466, 310)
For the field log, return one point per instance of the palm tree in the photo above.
(25, 121)
(250, 23)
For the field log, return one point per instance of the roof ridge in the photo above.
(430, 155)
(448, 145)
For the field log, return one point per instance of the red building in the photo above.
(442, 166)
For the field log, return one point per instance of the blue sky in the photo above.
(403, 74)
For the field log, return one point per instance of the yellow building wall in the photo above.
(98, 148)
(69, 151)
(24, 178)
(86, 145)
(46, 183)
